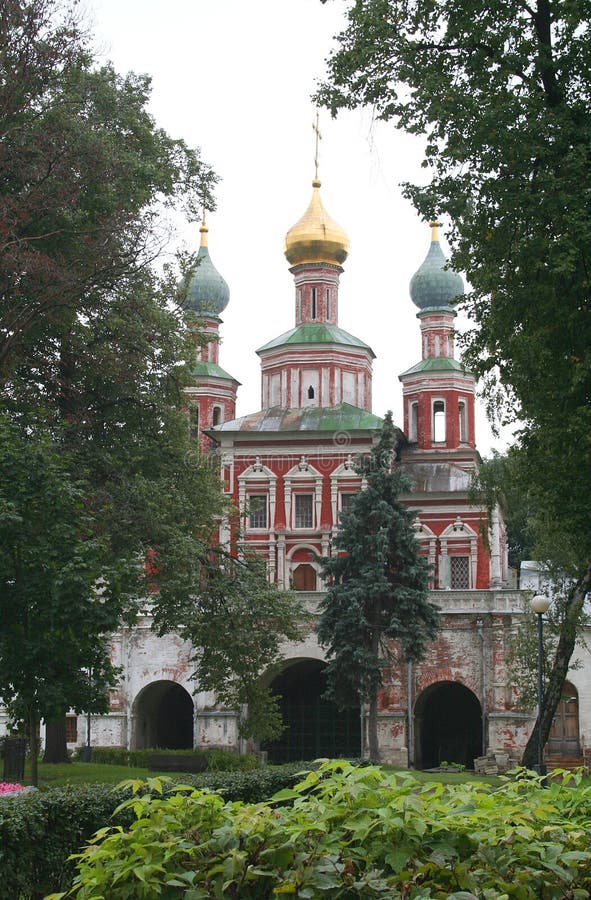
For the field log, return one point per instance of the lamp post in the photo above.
(540, 604)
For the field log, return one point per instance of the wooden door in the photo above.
(304, 578)
(564, 734)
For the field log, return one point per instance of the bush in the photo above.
(38, 832)
(217, 760)
(249, 787)
(349, 832)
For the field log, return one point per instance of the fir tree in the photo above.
(376, 610)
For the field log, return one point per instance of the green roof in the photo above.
(316, 333)
(210, 370)
(207, 291)
(436, 364)
(433, 286)
(336, 419)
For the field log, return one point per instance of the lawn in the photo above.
(60, 774)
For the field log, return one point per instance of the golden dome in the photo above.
(316, 238)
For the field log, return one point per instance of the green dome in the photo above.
(207, 293)
(433, 286)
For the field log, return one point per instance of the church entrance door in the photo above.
(163, 717)
(448, 726)
(314, 726)
(564, 734)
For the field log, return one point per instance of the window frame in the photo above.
(264, 507)
(298, 496)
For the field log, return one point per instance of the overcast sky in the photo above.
(235, 79)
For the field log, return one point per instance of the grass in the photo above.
(62, 774)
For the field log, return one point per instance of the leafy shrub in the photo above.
(249, 787)
(38, 832)
(217, 760)
(348, 832)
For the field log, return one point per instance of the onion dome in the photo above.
(207, 292)
(316, 238)
(433, 286)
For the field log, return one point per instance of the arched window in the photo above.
(438, 421)
(463, 421)
(194, 421)
(413, 421)
(327, 304)
(217, 415)
(310, 393)
(313, 303)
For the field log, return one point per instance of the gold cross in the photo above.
(318, 138)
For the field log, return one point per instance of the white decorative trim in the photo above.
(457, 532)
(261, 477)
(340, 477)
(303, 475)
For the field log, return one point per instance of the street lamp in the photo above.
(540, 604)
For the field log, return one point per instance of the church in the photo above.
(289, 470)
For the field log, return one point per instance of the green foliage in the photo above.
(217, 760)
(522, 648)
(347, 832)
(233, 588)
(38, 832)
(93, 353)
(499, 481)
(377, 586)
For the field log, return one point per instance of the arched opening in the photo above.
(315, 727)
(310, 393)
(194, 421)
(217, 416)
(163, 717)
(438, 429)
(463, 421)
(413, 421)
(564, 734)
(304, 578)
(448, 726)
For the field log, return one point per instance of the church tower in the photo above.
(316, 363)
(438, 392)
(212, 398)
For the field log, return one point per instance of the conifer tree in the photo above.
(376, 610)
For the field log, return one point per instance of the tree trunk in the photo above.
(372, 721)
(34, 748)
(56, 748)
(562, 658)
(372, 729)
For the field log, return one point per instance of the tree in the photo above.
(55, 614)
(501, 94)
(85, 177)
(93, 353)
(237, 622)
(376, 608)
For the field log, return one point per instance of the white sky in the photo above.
(235, 79)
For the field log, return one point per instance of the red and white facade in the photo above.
(288, 468)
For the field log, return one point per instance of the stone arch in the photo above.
(162, 716)
(315, 727)
(303, 557)
(447, 725)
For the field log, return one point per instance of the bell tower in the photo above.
(211, 398)
(438, 392)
